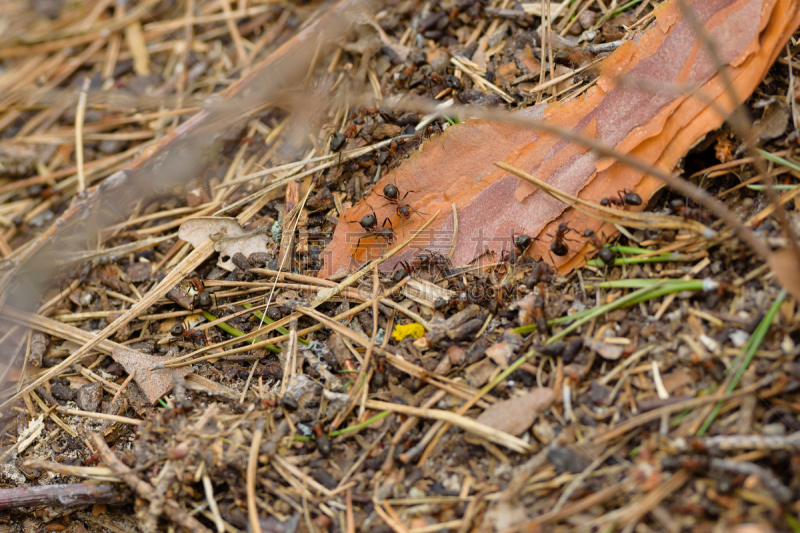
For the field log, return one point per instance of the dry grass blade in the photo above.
(252, 466)
(467, 424)
(97, 473)
(644, 418)
(615, 216)
(100, 416)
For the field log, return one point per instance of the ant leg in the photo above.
(358, 243)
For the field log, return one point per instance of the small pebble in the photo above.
(89, 396)
(587, 19)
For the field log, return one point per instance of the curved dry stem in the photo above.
(632, 218)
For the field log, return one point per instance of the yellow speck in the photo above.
(408, 330)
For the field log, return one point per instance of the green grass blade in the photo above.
(268, 320)
(227, 328)
(779, 160)
(746, 357)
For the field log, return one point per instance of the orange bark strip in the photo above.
(657, 127)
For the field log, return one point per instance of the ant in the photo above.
(521, 244)
(691, 213)
(605, 253)
(194, 335)
(540, 315)
(541, 275)
(379, 376)
(432, 260)
(370, 224)
(624, 197)
(392, 193)
(322, 440)
(202, 299)
(558, 246)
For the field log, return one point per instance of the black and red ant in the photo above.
(379, 376)
(521, 244)
(195, 335)
(392, 194)
(623, 198)
(540, 314)
(426, 259)
(370, 224)
(504, 292)
(605, 253)
(541, 275)
(430, 260)
(690, 213)
(558, 246)
(202, 300)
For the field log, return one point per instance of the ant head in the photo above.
(177, 330)
(390, 191)
(563, 227)
(369, 221)
(588, 233)
(604, 202)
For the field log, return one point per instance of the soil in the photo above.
(646, 391)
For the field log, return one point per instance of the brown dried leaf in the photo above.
(516, 415)
(154, 383)
(526, 309)
(180, 296)
(528, 61)
(228, 236)
(610, 352)
(773, 122)
(785, 265)
(508, 71)
(500, 353)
